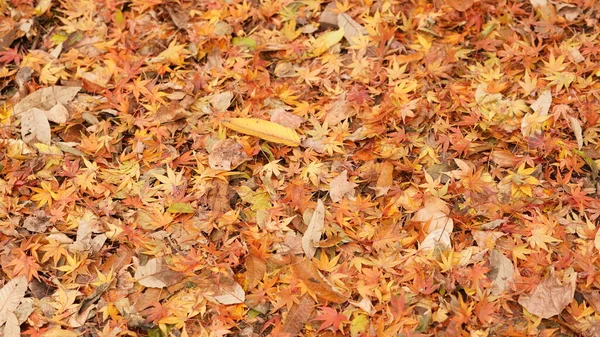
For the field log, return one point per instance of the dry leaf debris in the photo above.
(272, 168)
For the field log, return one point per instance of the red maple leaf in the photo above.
(331, 318)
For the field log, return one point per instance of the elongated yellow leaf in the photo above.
(327, 41)
(266, 130)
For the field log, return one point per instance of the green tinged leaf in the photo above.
(180, 207)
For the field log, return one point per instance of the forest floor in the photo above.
(283, 168)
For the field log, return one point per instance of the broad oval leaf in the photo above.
(263, 129)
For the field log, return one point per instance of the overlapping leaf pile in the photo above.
(277, 167)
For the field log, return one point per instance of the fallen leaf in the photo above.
(298, 315)
(551, 296)
(12, 328)
(576, 127)
(435, 212)
(286, 118)
(58, 114)
(226, 155)
(228, 292)
(385, 180)
(501, 272)
(181, 207)
(352, 29)
(326, 41)
(11, 295)
(46, 98)
(312, 235)
(340, 187)
(437, 238)
(307, 272)
(149, 275)
(460, 5)
(542, 104)
(256, 267)
(35, 126)
(266, 130)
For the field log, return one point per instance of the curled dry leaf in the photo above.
(286, 118)
(150, 274)
(551, 296)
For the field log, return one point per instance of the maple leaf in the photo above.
(540, 237)
(331, 318)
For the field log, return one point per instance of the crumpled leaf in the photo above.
(460, 5)
(340, 187)
(312, 235)
(551, 296)
(11, 295)
(501, 272)
(576, 127)
(263, 129)
(226, 155)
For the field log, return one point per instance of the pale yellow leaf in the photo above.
(11, 295)
(263, 129)
(576, 127)
(327, 41)
(314, 230)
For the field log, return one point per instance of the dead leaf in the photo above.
(12, 328)
(460, 5)
(352, 29)
(46, 98)
(221, 101)
(339, 110)
(266, 130)
(228, 292)
(226, 155)
(340, 187)
(35, 126)
(314, 281)
(285, 118)
(312, 235)
(299, 315)
(551, 296)
(58, 114)
(256, 267)
(542, 104)
(11, 295)
(149, 275)
(437, 238)
(435, 212)
(501, 272)
(576, 127)
(37, 223)
(385, 180)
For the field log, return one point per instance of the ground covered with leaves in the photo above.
(282, 168)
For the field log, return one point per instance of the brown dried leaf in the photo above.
(35, 126)
(501, 272)
(550, 297)
(256, 267)
(308, 273)
(226, 155)
(312, 235)
(11, 295)
(460, 5)
(340, 187)
(299, 315)
(385, 180)
(352, 29)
